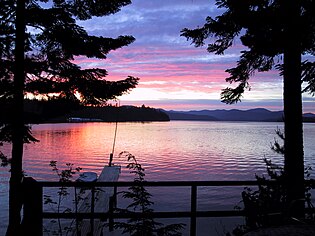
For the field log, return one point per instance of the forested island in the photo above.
(61, 111)
(113, 114)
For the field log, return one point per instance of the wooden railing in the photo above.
(34, 214)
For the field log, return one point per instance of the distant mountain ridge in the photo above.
(257, 114)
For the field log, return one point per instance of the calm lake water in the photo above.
(176, 150)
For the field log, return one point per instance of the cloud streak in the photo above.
(169, 67)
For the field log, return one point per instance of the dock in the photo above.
(102, 197)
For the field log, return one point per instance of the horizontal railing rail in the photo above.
(193, 214)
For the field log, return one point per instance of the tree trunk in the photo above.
(293, 156)
(17, 125)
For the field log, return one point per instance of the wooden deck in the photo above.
(102, 197)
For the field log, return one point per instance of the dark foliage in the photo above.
(64, 176)
(53, 40)
(140, 202)
(260, 25)
(268, 205)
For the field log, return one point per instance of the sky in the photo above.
(174, 74)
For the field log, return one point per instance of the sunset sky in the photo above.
(173, 73)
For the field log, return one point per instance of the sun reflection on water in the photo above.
(176, 150)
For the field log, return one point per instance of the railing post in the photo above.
(110, 159)
(32, 223)
(111, 205)
(193, 204)
(115, 196)
(76, 210)
(110, 211)
(92, 209)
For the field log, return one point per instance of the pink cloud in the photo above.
(164, 61)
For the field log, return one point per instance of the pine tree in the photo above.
(39, 42)
(276, 33)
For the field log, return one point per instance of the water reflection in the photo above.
(167, 150)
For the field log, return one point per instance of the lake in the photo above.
(176, 150)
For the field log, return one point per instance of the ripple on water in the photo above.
(167, 151)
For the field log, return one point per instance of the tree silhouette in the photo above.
(276, 34)
(39, 42)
